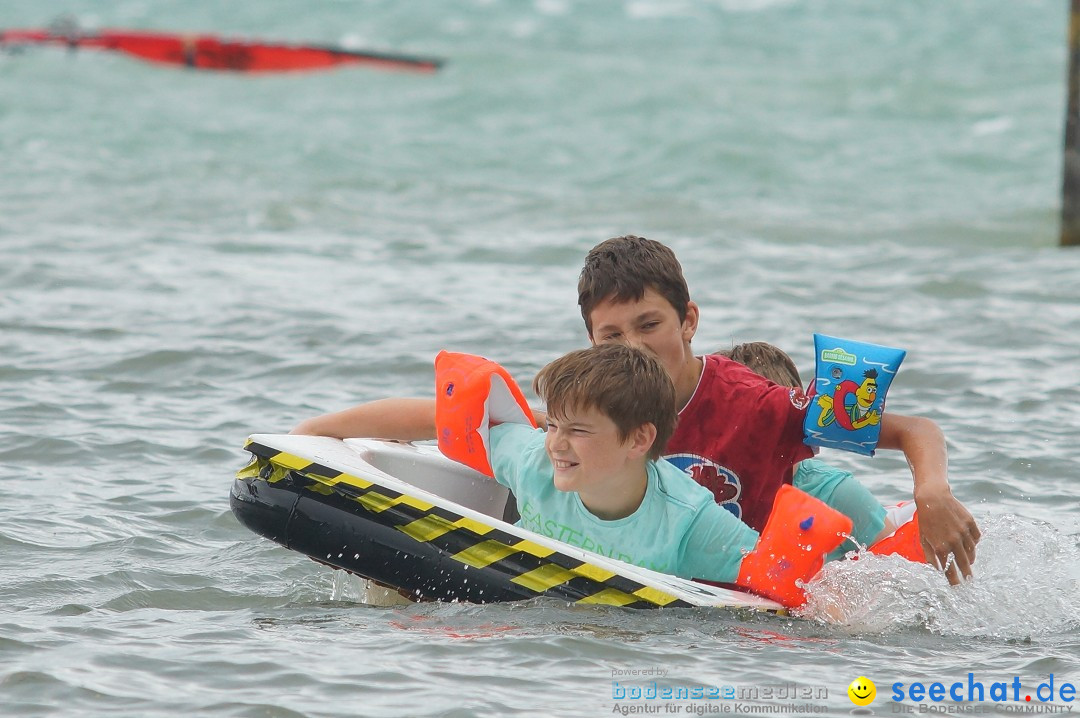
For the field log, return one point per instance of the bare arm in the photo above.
(400, 419)
(946, 526)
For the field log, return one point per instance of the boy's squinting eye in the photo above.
(577, 430)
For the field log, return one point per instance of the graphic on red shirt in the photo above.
(722, 482)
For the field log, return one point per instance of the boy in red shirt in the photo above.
(739, 434)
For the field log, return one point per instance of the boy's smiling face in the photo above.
(585, 449)
(652, 323)
(589, 458)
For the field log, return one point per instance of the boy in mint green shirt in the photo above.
(592, 478)
(660, 519)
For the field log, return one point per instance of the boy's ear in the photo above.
(642, 439)
(690, 324)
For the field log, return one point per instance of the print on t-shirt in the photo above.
(720, 480)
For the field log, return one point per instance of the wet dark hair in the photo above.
(622, 268)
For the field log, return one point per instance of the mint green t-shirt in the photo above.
(678, 529)
(840, 490)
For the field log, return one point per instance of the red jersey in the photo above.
(739, 436)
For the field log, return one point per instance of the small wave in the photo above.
(192, 599)
(30, 449)
(150, 362)
(1024, 584)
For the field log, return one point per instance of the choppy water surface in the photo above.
(189, 258)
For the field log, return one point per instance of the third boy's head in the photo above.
(606, 405)
(632, 291)
(767, 360)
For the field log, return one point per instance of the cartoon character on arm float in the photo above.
(859, 413)
(850, 384)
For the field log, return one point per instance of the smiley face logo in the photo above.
(862, 691)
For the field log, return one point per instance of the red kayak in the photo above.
(210, 52)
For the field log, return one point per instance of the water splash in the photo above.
(1025, 584)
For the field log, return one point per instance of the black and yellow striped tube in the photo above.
(424, 550)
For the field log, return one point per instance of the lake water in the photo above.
(187, 258)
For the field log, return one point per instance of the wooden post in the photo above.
(1070, 190)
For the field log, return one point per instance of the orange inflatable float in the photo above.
(800, 531)
(905, 541)
(471, 393)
